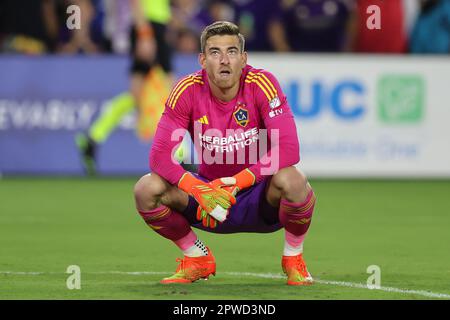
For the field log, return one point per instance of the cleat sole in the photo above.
(175, 281)
(301, 283)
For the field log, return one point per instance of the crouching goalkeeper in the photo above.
(226, 107)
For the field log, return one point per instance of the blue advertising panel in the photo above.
(45, 101)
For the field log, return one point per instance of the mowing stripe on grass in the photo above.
(423, 293)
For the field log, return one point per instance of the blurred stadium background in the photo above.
(372, 109)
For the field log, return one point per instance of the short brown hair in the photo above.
(221, 28)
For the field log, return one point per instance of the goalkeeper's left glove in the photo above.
(242, 180)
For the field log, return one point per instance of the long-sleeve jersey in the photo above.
(255, 130)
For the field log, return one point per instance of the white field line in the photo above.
(423, 293)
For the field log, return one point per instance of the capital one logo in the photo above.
(343, 99)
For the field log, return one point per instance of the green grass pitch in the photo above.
(47, 225)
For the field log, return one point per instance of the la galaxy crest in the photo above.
(241, 115)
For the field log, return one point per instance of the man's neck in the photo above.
(225, 95)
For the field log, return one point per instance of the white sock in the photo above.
(291, 250)
(197, 250)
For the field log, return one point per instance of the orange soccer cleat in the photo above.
(295, 268)
(191, 269)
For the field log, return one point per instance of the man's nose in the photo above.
(224, 59)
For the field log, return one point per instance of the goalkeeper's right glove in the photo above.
(232, 185)
(211, 198)
(210, 220)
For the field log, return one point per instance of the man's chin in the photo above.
(225, 84)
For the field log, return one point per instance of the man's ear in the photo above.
(244, 59)
(202, 60)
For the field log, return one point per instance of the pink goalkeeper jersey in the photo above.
(255, 130)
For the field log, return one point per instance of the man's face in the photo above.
(223, 60)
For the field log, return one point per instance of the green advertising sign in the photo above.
(401, 98)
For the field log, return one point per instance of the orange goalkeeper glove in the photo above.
(232, 185)
(210, 220)
(210, 197)
(244, 179)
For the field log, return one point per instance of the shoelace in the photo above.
(190, 274)
(181, 265)
(301, 266)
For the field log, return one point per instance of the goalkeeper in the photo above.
(226, 107)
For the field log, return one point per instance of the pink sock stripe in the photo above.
(294, 240)
(156, 210)
(289, 204)
(187, 241)
(155, 214)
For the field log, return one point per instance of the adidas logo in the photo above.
(203, 120)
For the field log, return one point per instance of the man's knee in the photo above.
(148, 191)
(290, 179)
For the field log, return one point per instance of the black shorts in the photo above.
(163, 54)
